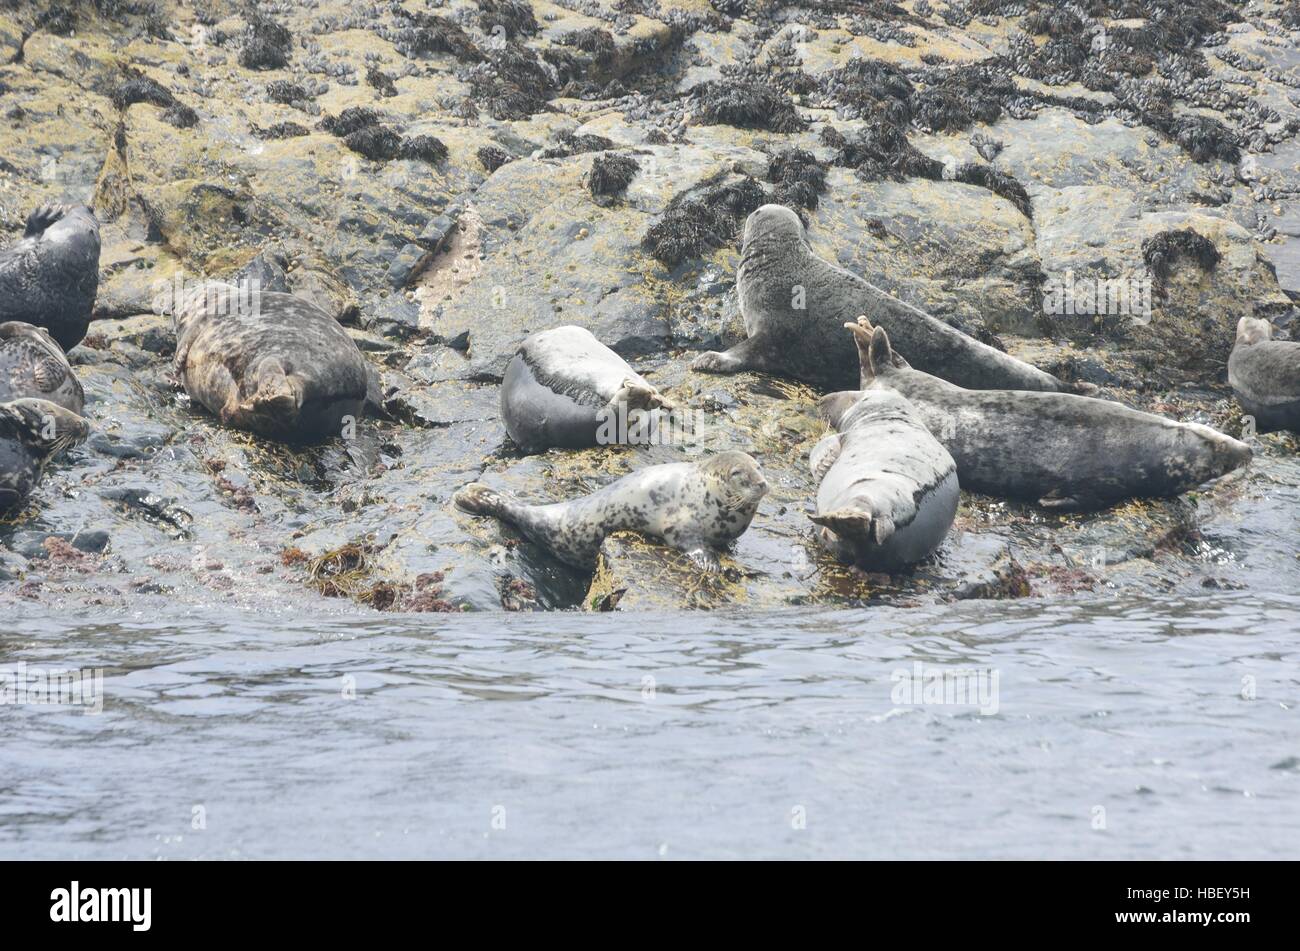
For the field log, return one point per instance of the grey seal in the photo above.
(795, 305)
(50, 276)
(565, 388)
(1064, 451)
(268, 362)
(695, 507)
(1265, 375)
(887, 492)
(33, 365)
(32, 432)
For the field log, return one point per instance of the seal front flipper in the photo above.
(42, 218)
(1060, 503)
(705, 559)
(749, 354)
(823, 455)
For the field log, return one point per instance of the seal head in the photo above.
(51, 275)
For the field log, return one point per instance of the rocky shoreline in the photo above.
(446, 179)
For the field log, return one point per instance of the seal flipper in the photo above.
(857, 525)
(704, 558)
(42, 218)
(479, 499)
(276, 394)
(746, 355)
(1060, 503)
(823, 455)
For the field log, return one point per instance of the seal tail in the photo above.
(479, 499)
(856, 525)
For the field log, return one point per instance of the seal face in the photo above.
(565, 388)
(51, 275)
(888, 490)
(1265, 375)
(695, 507)
(1067, 452)
(33, 365)
(270, 363)
(795, 306)
(32, 431)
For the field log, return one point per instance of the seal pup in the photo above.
(695, 507)
(268, 362)
(1064, 451)
(33, 365)
(32, 431)
(887, 491)
(565, 388)
(1265, 375)
(49, 277)
(795, 305)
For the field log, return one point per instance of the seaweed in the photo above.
(141, 88)
(286, 92)
(1162, 251)
(381, 81)
(611, 174)
(428, 33)
(376, 142)
(694, 226)
(350, 120)
(266, 43)
(492, 158)
(745, 105)
(1000, 183)
(426, 148)
(181, 116)
(513, 18)
(573, 144)
(281, 130)
(798, 176)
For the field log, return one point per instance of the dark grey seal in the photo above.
(565, 388)
(32, 432)
(33, 365)
(1064, 451)
(268, 362)
(887, 492)
(50, 276)
(795, 306)
(1265, 375)
(695, 507)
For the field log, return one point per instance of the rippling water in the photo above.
(1123, 729)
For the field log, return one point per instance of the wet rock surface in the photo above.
(446, 181)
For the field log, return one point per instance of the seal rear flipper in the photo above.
(1060, 503)
(478, 499)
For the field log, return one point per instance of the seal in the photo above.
(887, 492)
(1066, 452)
(50, 276)
(268, 362)
(795, 305)
(33, 365)
(565, 388)
(32, 432)
(1265, 375)
(695, 507)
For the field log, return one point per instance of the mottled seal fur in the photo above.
(33, 365)
(1265, 375)
(565, 388)
(795, 305)
(888, 490)
(32, 431)
(50, 276)
(268, 362)
(1064, 451)
(696, 507)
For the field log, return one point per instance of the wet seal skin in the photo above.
(1065, 452)
(268, 362)
(696, 507)
(887, 492)
(562, 387)
(50, 276)
(32, 432)
(1265, 375)
(33, 365)
(795, 306)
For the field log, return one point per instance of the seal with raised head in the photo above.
(1064, 451)
(49, 277)
(795, 306)
(1265, 375)
(695, 507)
(32, 431)
(268, 362)
(887, 492)
(565, 388)
(33, 365)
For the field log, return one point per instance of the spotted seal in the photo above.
(1265, 375)
(32, 432)
(887, 491)
(1064, 451)
(795, 305)
(33, 365)
(565, 388)
(49, 277)
(268, 362)
(696, 507)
